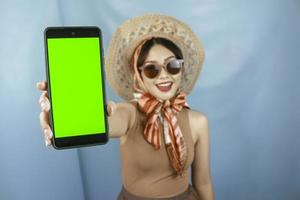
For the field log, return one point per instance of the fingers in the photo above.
(42, 85)
(44, 101)
(44, 116)
(44, 122)
(110, 107)
(48, 137)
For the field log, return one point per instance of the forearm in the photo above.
(117, 128)
(205, 191)
(121, 119)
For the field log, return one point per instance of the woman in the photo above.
(155, 59)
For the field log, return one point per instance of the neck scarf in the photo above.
(166, 111)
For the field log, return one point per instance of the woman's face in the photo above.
(165, 85)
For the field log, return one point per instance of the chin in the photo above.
(164, 96)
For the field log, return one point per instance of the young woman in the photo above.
(155, 59)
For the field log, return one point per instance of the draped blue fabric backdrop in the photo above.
(248, 88)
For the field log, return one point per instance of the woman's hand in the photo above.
(116, 130)
(44, 114)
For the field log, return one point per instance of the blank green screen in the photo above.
(76, 86)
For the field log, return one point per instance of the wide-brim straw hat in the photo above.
(132, 32)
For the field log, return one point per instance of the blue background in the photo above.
(248, 88)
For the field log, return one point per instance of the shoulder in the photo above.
(198, 124)
(127, 106)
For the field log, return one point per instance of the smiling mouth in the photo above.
(164, 87)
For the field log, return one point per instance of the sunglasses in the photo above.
(153, 69)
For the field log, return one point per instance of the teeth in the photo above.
(164, 84)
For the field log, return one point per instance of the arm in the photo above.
(121, 118)
(201, 178)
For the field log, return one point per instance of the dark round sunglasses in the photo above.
(153, 69)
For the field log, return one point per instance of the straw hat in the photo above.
(131, 33)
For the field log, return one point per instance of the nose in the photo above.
(163, 74)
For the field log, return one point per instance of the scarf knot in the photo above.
(166, 111)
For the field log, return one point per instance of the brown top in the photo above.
(147, 172)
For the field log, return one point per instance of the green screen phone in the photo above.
(75, 76)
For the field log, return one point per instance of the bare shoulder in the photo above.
(198, 124)
(130, 107)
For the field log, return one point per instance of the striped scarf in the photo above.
(165, 111)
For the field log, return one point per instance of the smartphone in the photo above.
(76, 90)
